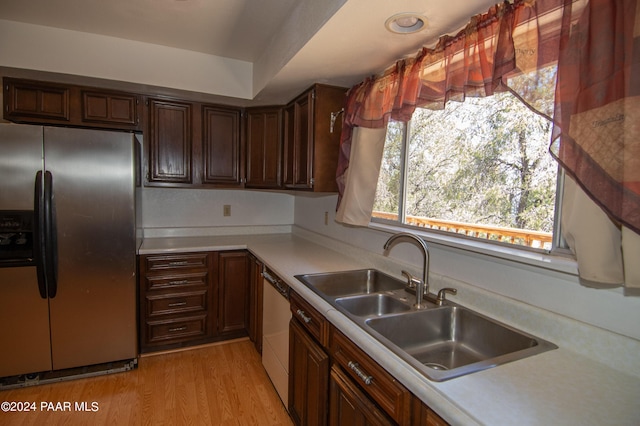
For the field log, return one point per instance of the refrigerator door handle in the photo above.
(39, 235)
(50, 237)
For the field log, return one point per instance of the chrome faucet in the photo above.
(422, 288)
(419, 286)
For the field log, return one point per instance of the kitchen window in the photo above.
(479, 168)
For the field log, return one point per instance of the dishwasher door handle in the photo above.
(268, 277)
(283, 289)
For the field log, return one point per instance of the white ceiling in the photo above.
(341, 47)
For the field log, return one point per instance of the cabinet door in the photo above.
(221, 145)
(308, 378)
(36, 102)
(110, 108)
(264, 147)
(288, 144)
(329, 101)
(233, 287)
(170, 141)
(423, 415)
(298, 147)
(348, 405)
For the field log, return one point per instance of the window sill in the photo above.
(551, 262)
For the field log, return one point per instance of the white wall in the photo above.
(554, 291)
(71, 52)
(202, 208)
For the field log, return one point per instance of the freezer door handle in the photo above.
(45, 236)
(50, 237)
(38, 230)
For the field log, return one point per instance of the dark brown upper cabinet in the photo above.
(119, 109)
(221, 146)
(264, 147)
(311, 145)
(169, 144)
(196, 145)
(39, 102)
(36, 102)
(193, 145)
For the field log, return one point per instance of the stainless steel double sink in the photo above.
(442, 342)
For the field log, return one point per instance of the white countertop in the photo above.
(559, 387)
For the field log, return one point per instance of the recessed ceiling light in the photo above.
(406, 23)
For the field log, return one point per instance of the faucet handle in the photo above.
(411, 280)
(442, 294)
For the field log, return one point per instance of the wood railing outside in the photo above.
(525, 237)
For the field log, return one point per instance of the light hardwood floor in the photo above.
(222, 384)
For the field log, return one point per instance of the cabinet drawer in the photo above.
(176, 303)
(179, 261)
(349, 405)
(314, 322)
(386, 391)
(176, 281)
(177, 329)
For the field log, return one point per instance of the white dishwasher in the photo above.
(275, 332)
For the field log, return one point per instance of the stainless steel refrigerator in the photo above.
(67, 248)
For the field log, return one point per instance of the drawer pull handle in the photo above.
(178, 263)
(179, 282)
(173, 330)
(305, 318)
(173, 305)
(356, 369)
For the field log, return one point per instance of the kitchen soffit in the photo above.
(351, 43)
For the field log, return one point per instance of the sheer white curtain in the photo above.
(608, 255)
(361, 178)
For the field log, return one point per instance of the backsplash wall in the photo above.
(190, 208)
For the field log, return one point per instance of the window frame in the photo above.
(559, 247)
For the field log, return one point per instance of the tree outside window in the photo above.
(480, 167)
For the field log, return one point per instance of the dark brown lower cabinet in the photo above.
(349, 405)
(381, 387)
(308, 378)
(332, 381)
(189, 299)
(423, 415)
(233, 291)
(176, 300)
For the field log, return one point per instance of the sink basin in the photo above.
(440, 342)
(451, 341)
(372, 304)
(363, 281)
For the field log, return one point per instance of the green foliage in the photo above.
(482, 161)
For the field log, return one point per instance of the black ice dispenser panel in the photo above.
(16, 238)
